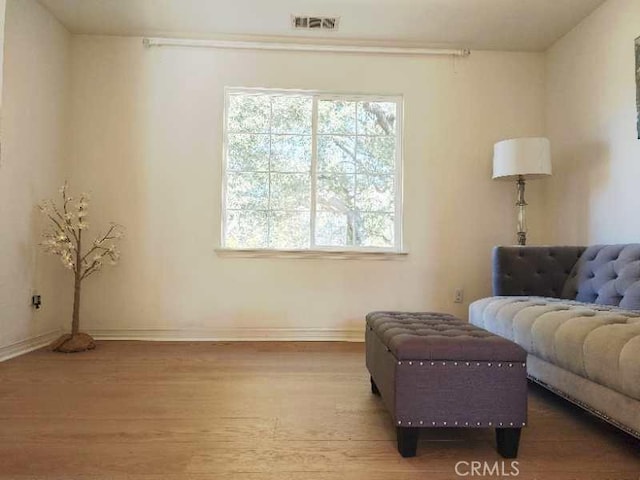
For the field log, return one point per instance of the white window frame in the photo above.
(315, 250)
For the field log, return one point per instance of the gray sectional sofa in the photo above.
(576, 311)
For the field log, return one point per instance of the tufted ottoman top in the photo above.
(439, 336)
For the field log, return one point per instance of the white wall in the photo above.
(3, 11)
(143, 133)
(146, 141)
(35, 98)
(591, 118)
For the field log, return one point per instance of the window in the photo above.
(311, 171)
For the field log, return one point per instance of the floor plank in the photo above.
(257, 411)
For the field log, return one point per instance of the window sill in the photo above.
(311, 254)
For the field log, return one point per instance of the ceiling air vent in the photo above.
(314, 23)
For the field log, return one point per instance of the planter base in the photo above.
(73, 343)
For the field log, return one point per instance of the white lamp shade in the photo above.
(527, 157)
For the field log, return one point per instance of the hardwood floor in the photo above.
(257, 411)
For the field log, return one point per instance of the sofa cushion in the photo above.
(598, 342)
(559, 337)
(525, 318)
(608, 275)
(612, 357)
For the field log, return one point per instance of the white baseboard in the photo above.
(233, 335)
(212, 335)
(28, 345)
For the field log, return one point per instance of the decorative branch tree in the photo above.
(64, 238)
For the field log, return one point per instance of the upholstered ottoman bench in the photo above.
(435, 370)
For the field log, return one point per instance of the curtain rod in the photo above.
(300, 47)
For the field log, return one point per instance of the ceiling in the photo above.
(531, 25)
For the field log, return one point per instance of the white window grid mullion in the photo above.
(288, 172)
(269, 169)
(355, 179)
(314, 171)
(290, 210)
(289, 134)
(398, 181)
(223, 190)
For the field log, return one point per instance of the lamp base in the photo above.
(522, 219)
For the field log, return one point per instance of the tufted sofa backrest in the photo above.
(607, 275)
(533, 271)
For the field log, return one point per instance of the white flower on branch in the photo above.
(67, 222)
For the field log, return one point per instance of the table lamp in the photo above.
(520, 159)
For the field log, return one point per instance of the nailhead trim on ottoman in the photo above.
(436, 370)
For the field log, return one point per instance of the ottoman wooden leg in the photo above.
(407, 441)
(508, 440)
(374, 387)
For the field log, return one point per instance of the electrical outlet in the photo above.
(36, 300)
(459, 296)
